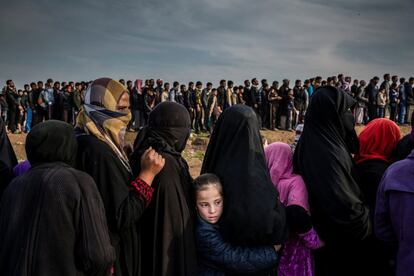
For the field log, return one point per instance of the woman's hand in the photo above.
(151, 164)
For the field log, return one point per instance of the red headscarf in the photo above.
(378, 140)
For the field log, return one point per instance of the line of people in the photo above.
(277, 107)
(85, 204)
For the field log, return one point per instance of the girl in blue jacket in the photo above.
(216, 256)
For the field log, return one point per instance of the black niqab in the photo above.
(166, 227)
(51, 141)
(253, 214)
(323, 158)
(7, 158)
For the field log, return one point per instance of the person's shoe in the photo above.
(17, 132)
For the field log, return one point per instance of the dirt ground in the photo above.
(196, 146)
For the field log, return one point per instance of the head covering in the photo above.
(51, 141)
(7, 158)
(323, 158)
(378, 140)
(291, 188)
(168, 129)
(99, 116)
(253, 214)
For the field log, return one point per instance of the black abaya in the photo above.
(323, 158)
(253, 214)
(7, 158)
(167, 226)
(52, 219)
(123, 207)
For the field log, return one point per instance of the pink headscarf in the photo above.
(291, 187)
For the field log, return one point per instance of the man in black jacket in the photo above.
(372, 93)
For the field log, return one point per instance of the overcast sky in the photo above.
(204, 39)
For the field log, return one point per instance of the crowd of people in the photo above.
(87, 203)
(277, 107)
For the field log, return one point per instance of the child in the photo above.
(382, 102)
(296, 258)
(218, 257)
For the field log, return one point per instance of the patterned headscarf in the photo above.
(100, 118)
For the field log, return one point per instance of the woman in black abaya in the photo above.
(52, 220)
(323, 158)
(253, 214)
(166, 228)
(7, 158)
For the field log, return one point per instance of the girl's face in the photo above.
(210, 204)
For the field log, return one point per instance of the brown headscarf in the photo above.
(100, 118)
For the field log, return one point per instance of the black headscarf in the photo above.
(168, 130)
(253, 214)
(166, 228)
(51, 141)
(323, 158)
(7, 158)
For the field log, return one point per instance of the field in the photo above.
(196, 146)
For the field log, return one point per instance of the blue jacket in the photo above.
(218, 257)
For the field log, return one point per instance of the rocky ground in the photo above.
(196, 146)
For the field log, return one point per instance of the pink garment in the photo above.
(296, 259)
(291, 188)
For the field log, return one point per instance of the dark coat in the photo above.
(219, 258)
(167, 242)
(123, 208)
(7, 158)
(52, 222)
(52, 219)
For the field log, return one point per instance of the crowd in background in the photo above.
(277, 106)
(85, 203)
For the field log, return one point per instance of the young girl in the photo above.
(218, 257)
(296, 258)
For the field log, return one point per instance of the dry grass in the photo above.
(194, 152)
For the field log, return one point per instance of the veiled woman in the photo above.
(166, 228)
(101, 126)
(253, 214)
(52, 220)
(323, 158)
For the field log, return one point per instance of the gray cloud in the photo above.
(204, 39)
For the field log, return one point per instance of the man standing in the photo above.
(29, 113)
(12, 103)
(299, 102)
(386, 86)
(204, 101)
(198, 107)
(372, 93)
(158, 91)
(273, 99)
(221, 94)
(248, 94)
(408, 86)
(47, 99)
(254, 91)
(402, 107)
(173, 91)
(284, 121)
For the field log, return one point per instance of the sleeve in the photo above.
(234, 259)
(382, 219)
(310, 239)
(94, 248)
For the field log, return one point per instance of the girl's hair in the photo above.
(202, 183)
